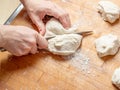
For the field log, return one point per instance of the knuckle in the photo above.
(32, 42)
(64, 15)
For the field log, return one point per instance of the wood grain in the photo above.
(45, 71)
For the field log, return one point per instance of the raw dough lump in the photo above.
(109, 11)
(116, 78)
(64, 44)
(107, 45)
(54, 27)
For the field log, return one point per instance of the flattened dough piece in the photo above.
(54, 27)
(107, 45)
(116, 78)
(64, 44)
(109, 11)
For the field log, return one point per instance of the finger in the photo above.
(20, 52)
(42, 42)
(65, 20)
(34, 49)
(43, 30)
(40, 25)
(14, 50)
(42, 15)
(24, 49)
(61, 15)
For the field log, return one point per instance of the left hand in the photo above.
(38, 9)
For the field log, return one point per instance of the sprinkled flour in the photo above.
(79, 60)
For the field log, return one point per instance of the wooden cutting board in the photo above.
(82, 71)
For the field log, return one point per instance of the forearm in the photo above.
(1, 36)
(27, 3)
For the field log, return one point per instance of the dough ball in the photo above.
(116, 78)
(64, 44)
(107, 45)
(54, 27)
(109, 11)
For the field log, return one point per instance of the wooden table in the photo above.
(45, 71)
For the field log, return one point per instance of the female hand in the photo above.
(21, 40)
(38, 9)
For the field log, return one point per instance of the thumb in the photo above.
(39, 23)
(42, 42)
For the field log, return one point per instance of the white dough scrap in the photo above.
(109, 11)
(116, 78)
(107, 45)
(64, 44)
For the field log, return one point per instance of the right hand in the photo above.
(21, 40)
(38, 9)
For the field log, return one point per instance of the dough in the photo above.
(116, 78)
(64, 44)
(109, 11)
(107, 45)
(54, 27)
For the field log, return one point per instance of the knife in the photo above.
(11, 18)
(80, 33)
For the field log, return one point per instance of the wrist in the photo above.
(28, 4)
(24, 2)
(1, 36)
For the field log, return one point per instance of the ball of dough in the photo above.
(54, 27)
(64, 44)
(107, 45)
(109, 11)
(116, 78)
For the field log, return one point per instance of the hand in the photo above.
(21, 40)
(38, 9)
